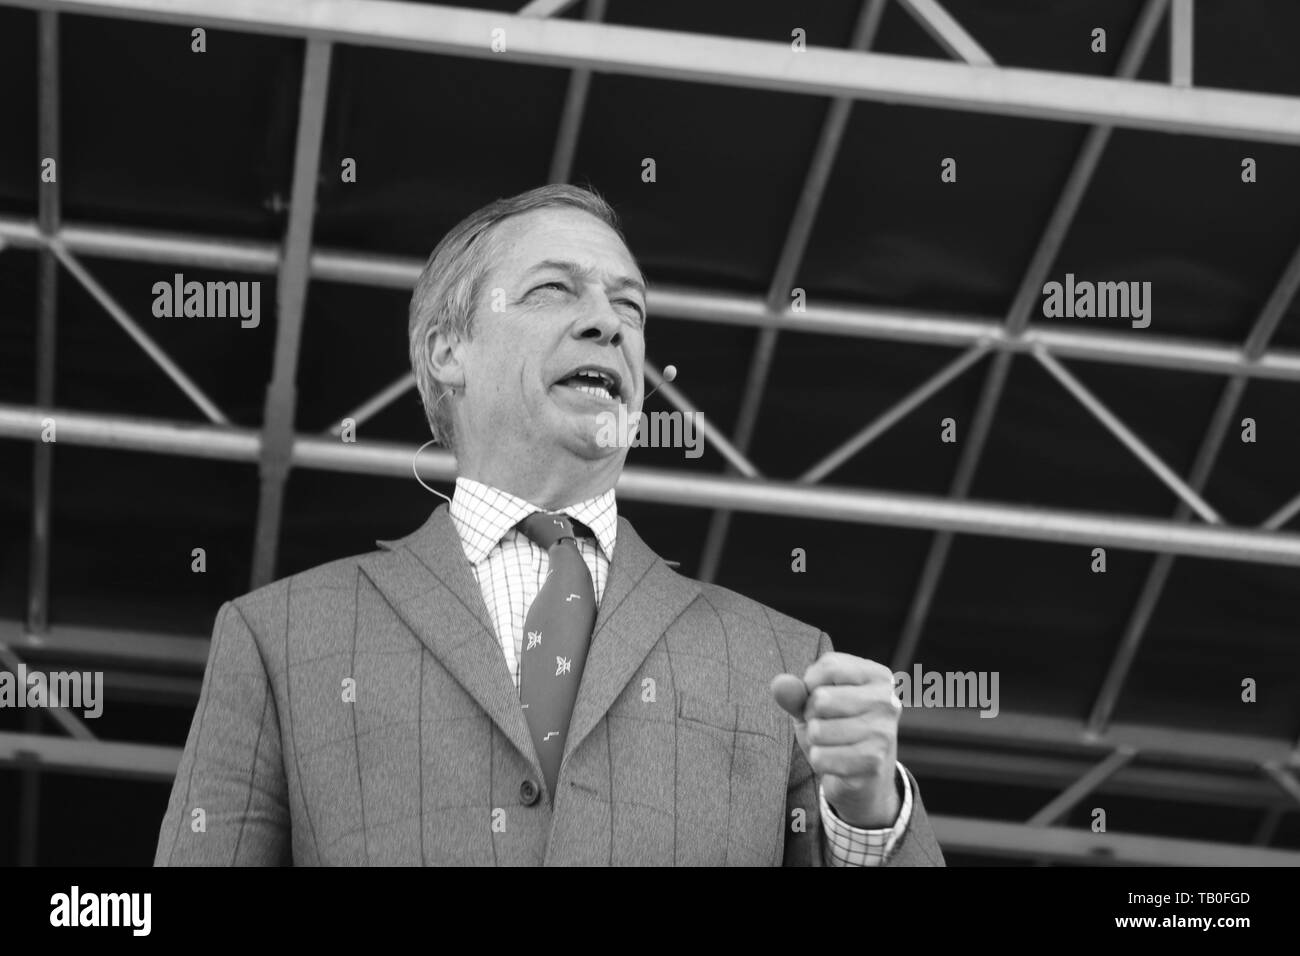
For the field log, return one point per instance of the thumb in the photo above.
(791, 694)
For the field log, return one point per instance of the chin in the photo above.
(586, 446)
(582, 440)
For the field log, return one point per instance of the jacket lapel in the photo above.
(427, 580)
(642, 598)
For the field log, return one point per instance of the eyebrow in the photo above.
(577, 270)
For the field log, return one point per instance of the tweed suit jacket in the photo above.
(676, 752)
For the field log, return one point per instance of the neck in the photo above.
(562, 484)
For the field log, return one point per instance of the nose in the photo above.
(601, 323)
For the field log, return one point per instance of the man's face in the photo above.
(564, 346)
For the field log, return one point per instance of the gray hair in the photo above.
(447, 293)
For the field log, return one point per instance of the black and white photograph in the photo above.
(691, 433)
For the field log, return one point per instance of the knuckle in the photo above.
(883, 737)
(870, 758)
(817, 758)
(884, 704)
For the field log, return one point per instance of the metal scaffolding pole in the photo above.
(1225, 412)
(546, 8)
(1005, 765)
(139, 335)
(65, 718)
(678, 400)
(947, 32)
(375, 403)
(575, 102)
(894, 414)
(1285, 782)
(1282, 515)
(49, 213)
(291, 303)
(99, 645)
(1014, 325)
(108, 758)
(1062, 736)
(38, 581)
(29, 796)
(1063, 845)
(1070, 797)
(1181, 36)
(783, 278)
(727, 61)
(1139, 448)
(677, 487)
(953, 330)
(1268, 825)
(937, 557)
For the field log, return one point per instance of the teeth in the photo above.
(602, 384)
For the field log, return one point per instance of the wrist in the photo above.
(879, 812)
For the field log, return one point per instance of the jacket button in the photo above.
(529, 793)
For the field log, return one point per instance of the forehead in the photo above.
(561, 232)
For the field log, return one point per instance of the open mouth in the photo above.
(595, 381)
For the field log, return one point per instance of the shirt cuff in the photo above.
(847, 845)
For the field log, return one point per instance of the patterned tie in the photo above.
(557, 633)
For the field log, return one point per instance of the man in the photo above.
(523, 681)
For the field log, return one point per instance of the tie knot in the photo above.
(546, 528)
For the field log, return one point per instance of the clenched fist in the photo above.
(846, 722)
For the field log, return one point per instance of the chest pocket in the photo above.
(746, 719)
(732, 767)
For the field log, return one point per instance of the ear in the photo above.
(445, 353)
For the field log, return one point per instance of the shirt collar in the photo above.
(483, 515)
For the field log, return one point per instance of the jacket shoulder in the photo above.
(321, 592)
(798, 640)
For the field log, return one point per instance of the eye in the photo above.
(560, 286)
(635, 307)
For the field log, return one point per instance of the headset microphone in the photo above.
(669, 375)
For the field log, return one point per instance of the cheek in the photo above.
(502, 361)
(516, 384)
(635, 353)
(511, 366)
